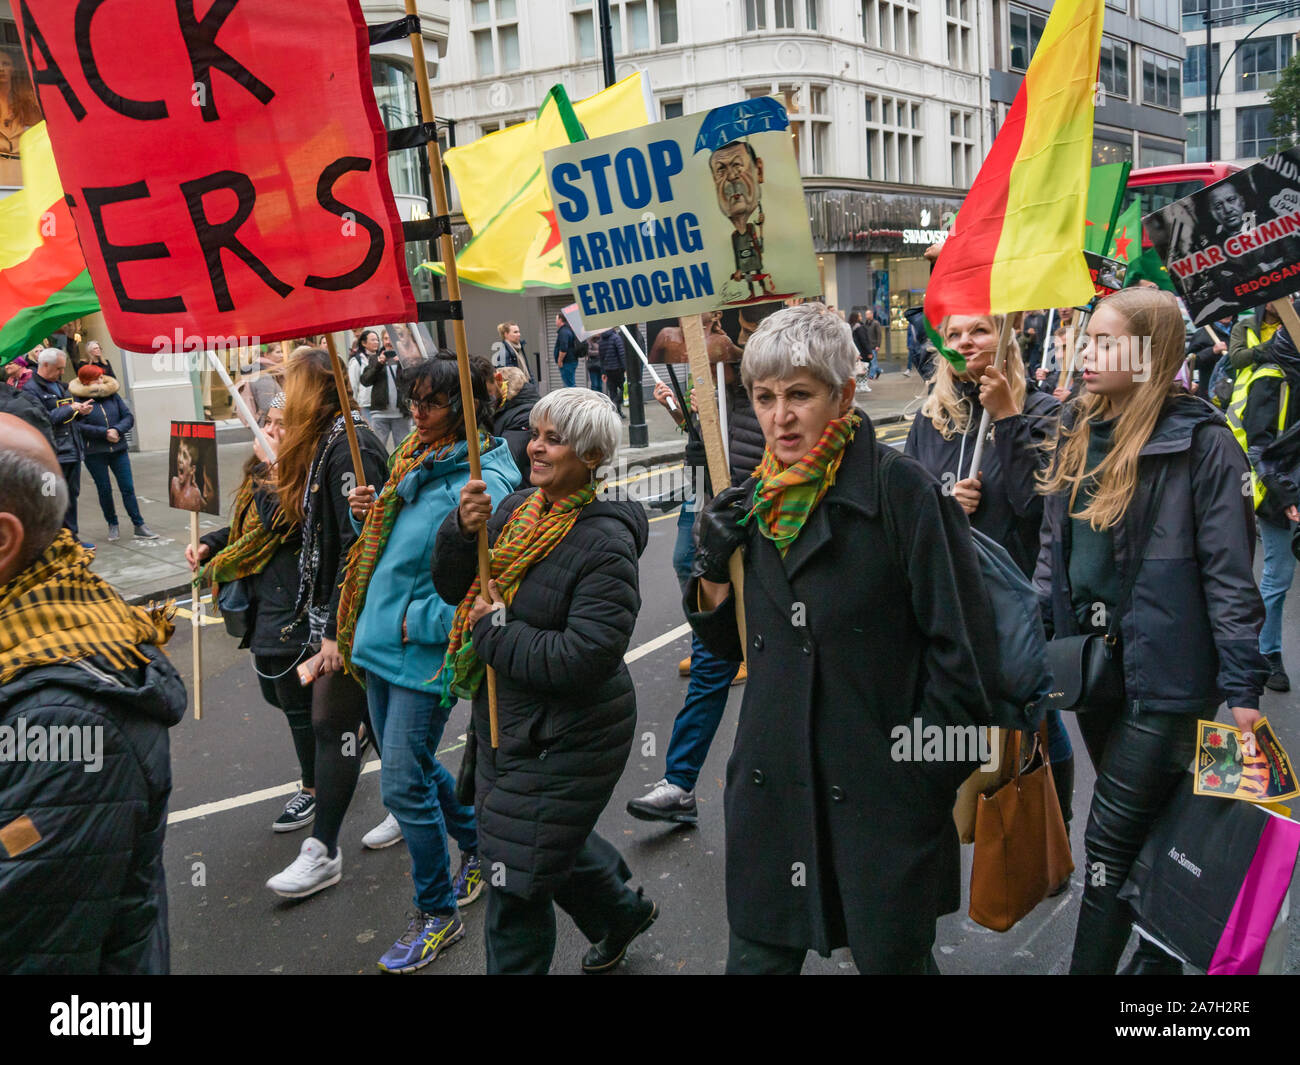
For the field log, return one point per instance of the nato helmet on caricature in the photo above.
(737, 172)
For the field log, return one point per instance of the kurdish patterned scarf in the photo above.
(251, 545)
(56, 610)
(785, 495)
(529, 535)
(378, 527)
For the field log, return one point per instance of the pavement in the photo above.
(150, 569)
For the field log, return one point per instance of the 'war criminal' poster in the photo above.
(689, 215)
(1234, 244)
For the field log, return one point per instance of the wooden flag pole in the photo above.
(196, 622)
(448, 256)
(345, 407)
(1004, 342)
(706, 406)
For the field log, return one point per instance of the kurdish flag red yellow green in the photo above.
(1016, 242)
(43, 278)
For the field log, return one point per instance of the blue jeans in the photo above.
(1275, 582)
(1059, 747)
(684, 549)
(120, 464)
(418, 790)
(568, 371)
(698, 719)
(595, 375)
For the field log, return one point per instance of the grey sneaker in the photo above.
(114, 534)
(143, 532)
(665, 802)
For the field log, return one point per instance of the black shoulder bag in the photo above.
(1084, 668)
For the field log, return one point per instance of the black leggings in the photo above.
(338, 709)
(1140, 760)
(278, 679)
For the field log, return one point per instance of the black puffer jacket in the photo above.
(1190, 632)
(513, 413)
(1010, 510)
(89, 895)
(376, 378)
(27, 407)
(566, 704)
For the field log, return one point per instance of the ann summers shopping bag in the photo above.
(1212, 878)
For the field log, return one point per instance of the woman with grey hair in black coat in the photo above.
(554, 626)
(835, 836)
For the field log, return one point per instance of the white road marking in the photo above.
(248, 799)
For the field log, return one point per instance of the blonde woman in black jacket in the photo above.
(1143, 462)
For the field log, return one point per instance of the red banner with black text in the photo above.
(224, 162)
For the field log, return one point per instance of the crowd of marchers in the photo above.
(1115, 487)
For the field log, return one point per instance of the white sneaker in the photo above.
(866, 388)
(907, 373)
(312, 871)
(384, 834)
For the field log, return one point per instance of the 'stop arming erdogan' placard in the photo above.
(688, 215)
(224, 163)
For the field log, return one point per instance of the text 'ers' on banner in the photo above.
(688, 215)
(225, 164)
(1234, 244)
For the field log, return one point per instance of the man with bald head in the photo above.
(86, 698)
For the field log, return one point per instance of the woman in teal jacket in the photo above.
(393, 631)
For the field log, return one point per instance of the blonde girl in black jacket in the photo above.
(1188, 634)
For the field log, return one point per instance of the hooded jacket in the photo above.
(89, 895)
(1190, 631)
(109, 412)
(566, 704)
(1010, 510)
(401, 587)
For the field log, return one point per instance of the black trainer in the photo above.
(1277, 681)
(299, 812)
(610, 950)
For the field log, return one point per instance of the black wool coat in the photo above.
(566, 704)
(831, 840)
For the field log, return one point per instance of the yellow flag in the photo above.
(503, 192)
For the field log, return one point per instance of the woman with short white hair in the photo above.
(864, 615)
(554, 625)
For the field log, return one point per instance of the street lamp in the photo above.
(1291, 7)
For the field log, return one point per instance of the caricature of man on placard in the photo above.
(737, 174)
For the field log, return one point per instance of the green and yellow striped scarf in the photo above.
(251, 545)
(785, 495)
(529, 535)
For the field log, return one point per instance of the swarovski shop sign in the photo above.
(846, 220)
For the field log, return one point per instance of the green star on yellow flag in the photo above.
(503, 191)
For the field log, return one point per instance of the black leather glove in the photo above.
(719, 535)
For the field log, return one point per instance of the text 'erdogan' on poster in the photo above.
(1234, 244)
(684, 216)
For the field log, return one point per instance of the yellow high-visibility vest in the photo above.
(1236, 411)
